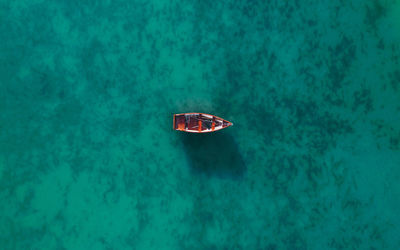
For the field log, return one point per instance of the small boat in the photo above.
(199, 122)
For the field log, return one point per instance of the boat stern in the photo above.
(179, 122)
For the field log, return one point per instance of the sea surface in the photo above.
(89, 159)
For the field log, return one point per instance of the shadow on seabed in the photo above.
(213, 154)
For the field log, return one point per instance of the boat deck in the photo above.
(199, 123)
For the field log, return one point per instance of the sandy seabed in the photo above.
(89, 160)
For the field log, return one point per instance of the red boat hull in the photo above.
(199, 123)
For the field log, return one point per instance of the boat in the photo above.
(199, 123)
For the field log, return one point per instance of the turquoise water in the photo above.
(89, 160)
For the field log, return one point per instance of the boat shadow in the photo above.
(213, 154)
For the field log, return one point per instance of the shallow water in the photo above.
(89, 160)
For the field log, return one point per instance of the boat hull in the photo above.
(199, 123)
